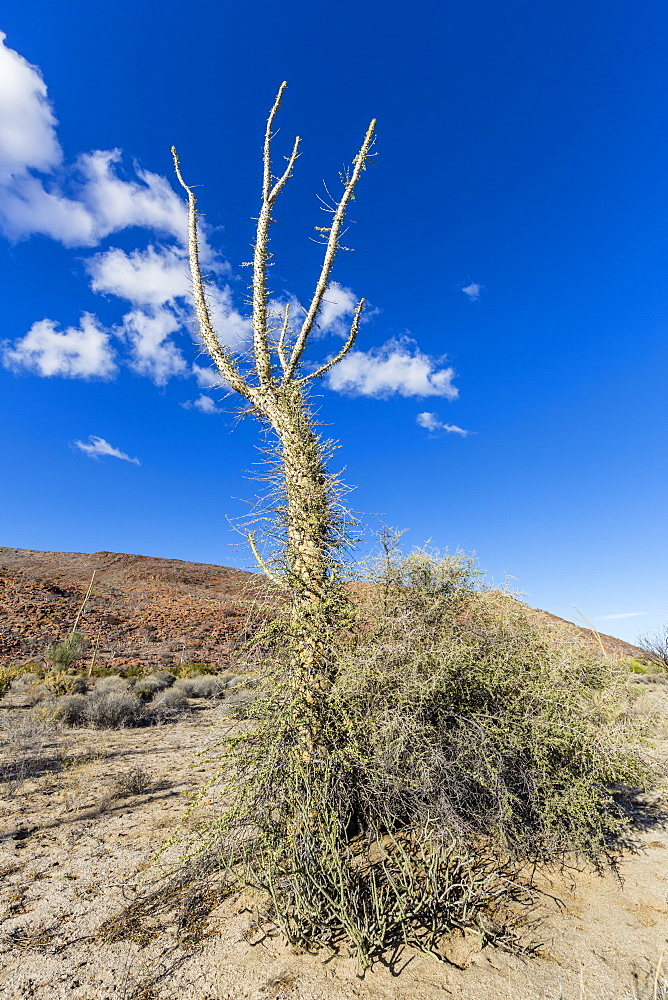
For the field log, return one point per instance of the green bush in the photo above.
(193, 669)
(67, 652)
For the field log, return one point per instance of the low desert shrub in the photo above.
(21, 683)
(134, 781)
(113, 708)
(147, 687)
(202, 686)
(70, 710)
(458, 742)
(167, 704)
(25, 738)
(113, 683)
(189, 669)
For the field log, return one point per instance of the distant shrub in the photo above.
(108, 684)
(203, 686)
(67, 652)
(70, 710)
(21, 683)
(193, 669)
(147, 687)
(167, 704)
(113, 709)
(636, 667)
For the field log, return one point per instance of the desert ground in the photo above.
(83, 812)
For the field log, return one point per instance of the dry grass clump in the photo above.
(168, 704)
(204, 686)
(112, 709)
(146, 687)
(458, 741)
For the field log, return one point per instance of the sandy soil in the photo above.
(81, 815)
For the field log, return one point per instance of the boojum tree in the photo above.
(273, 378)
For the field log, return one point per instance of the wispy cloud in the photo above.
(432, 423)
(396, 368)
(97, 447)
(337, 310)
(473, 291)
(203, 403)
(624, 614)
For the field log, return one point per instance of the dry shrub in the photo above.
(23, 682)
(70, 710)
(25, 738)
(147, 687)
(112, 709)
(167, 705)
(134, 781)
(457, 742)
(201, 687)
(105, 685)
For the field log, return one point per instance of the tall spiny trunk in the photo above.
(315, 599)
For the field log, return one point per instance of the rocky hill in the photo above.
(151, 611)
(157, 612)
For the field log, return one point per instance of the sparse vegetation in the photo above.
(168, 704)
(656, 647)
(148, 686)
(67, 652)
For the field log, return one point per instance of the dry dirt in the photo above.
(82, 813)
(79, 821)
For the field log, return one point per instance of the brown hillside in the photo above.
(148, 610)
(153, 611)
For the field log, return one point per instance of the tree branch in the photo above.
(223, 362)
(280, 347)
(330, 253)
(259, 318)
(354, 327)
(262, 564)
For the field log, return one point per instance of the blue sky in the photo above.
(511, 240)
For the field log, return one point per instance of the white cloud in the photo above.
(432, 423)
(397, 367)
(624, 614)
(78, 204)
(337, 310)
(473, 291)
(151, 352)
(78, 352)
(203, 403)
(27, 123)
(232, 329)
(116, 204)
(206, 377)
(149, 277)
(95, 447)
